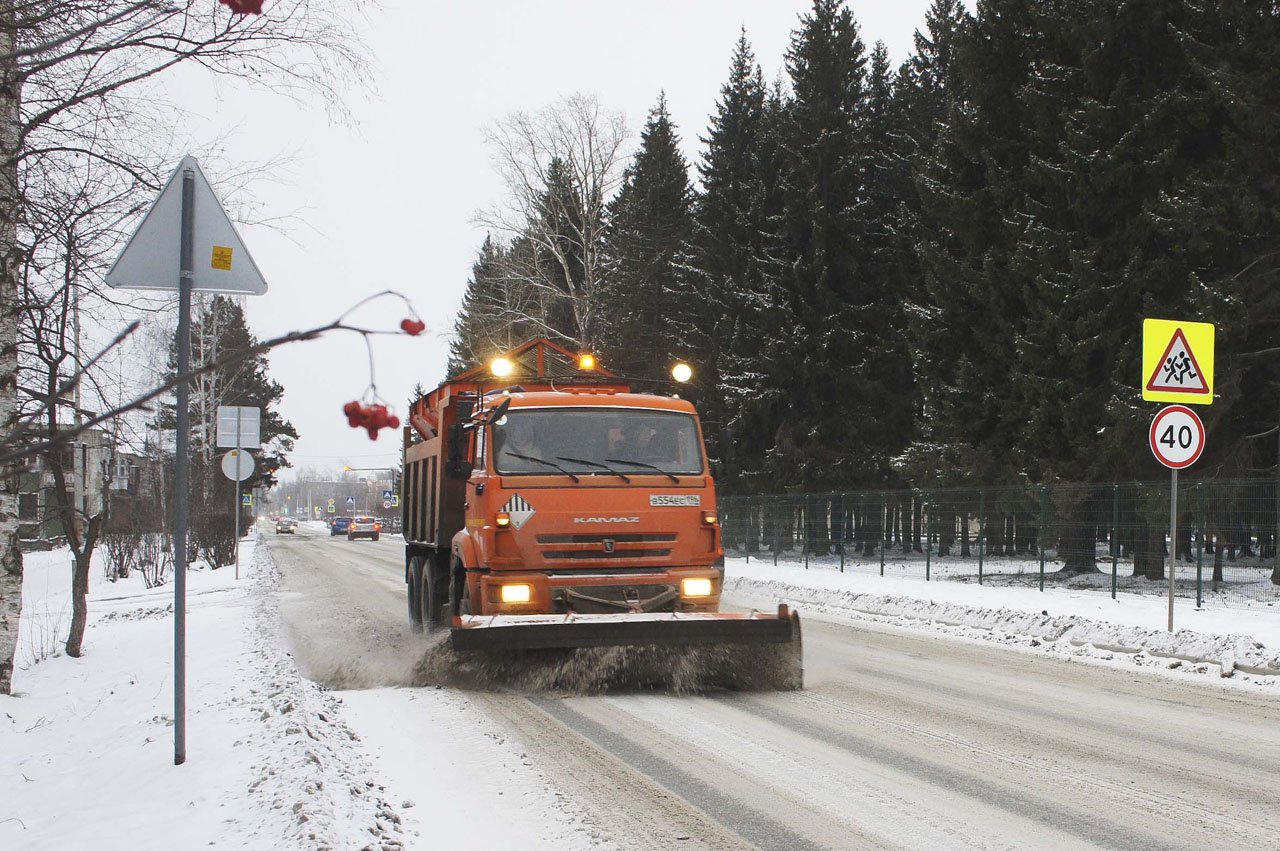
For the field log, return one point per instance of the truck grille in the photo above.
(597, 539)
(601, 553)
(598, 547)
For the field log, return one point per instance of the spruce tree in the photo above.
(499, 311)
(830, 435)
(969, 306)
(647, 242)
(723, 278)
(755, 352)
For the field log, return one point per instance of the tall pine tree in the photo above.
(647, 243)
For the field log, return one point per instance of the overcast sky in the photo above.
(388, 202)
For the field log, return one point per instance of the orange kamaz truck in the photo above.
(546, 505)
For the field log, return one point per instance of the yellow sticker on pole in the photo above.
(221, 258)
(1177, 361)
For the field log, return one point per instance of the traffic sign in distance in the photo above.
(1176, 437)
(1177, 361)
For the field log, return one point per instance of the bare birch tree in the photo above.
(560, 167)
(65, 66)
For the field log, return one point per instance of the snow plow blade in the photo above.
(773, 663)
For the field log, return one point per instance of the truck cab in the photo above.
(587, 500)
(554, 489)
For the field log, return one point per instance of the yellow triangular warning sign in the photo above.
(1177, 361)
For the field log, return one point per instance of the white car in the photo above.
(364, 527)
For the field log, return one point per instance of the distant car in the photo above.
(286, 526)
(364, 527)
(338, 526)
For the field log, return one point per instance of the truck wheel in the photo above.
(414, 584)
(435, 591)
(464, 604)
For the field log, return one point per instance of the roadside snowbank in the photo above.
(1081, 624)
(269, 763)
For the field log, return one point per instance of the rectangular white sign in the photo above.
(250, 427)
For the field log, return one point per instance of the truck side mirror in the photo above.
(455, 465)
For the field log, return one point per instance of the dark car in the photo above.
(338, 526)
(364, 527)
(286, 526)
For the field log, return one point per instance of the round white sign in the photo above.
(1176, 437)
(238, 465)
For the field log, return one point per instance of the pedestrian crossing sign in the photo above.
(1177, 361)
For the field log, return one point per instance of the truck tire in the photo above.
(464, 603)
(434, 594)
(414, 594)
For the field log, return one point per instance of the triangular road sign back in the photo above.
(151, 258)
(1178, 371)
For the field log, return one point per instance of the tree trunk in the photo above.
(995, 536)
(1217, 563)
(873, 517)
(1148, 552)
(1076, 542)
(10, 554)
(946, 532)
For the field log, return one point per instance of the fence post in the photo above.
(844, 528)
(804, 530)
(884, 527)
(1115, 530)
(926, 518)
(777, 534)
(982, 530)
(1200, 552)
(1044, 510)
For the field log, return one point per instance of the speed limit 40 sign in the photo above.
(1176, 437)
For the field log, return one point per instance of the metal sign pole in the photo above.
(181, 475)
(1173, 536)
(235, 503)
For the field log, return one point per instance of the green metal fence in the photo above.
(1107, 537)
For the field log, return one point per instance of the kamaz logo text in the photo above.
(606, 520)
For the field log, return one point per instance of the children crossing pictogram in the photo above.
(1177, 370)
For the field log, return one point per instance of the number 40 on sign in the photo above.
(1176, 437)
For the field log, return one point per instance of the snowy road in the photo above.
(898, 741)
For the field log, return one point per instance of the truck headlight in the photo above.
(516, 593)
(697, 587)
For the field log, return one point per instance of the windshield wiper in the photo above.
(673, 476)
(622, 476)
(541, 461)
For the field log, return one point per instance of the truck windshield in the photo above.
(589, 441)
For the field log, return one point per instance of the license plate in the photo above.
(665, 499)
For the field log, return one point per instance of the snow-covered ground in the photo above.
(1241, 642)
(276, 761)
(88, 743)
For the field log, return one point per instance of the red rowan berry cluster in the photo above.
(373, 417)
(412, 327)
